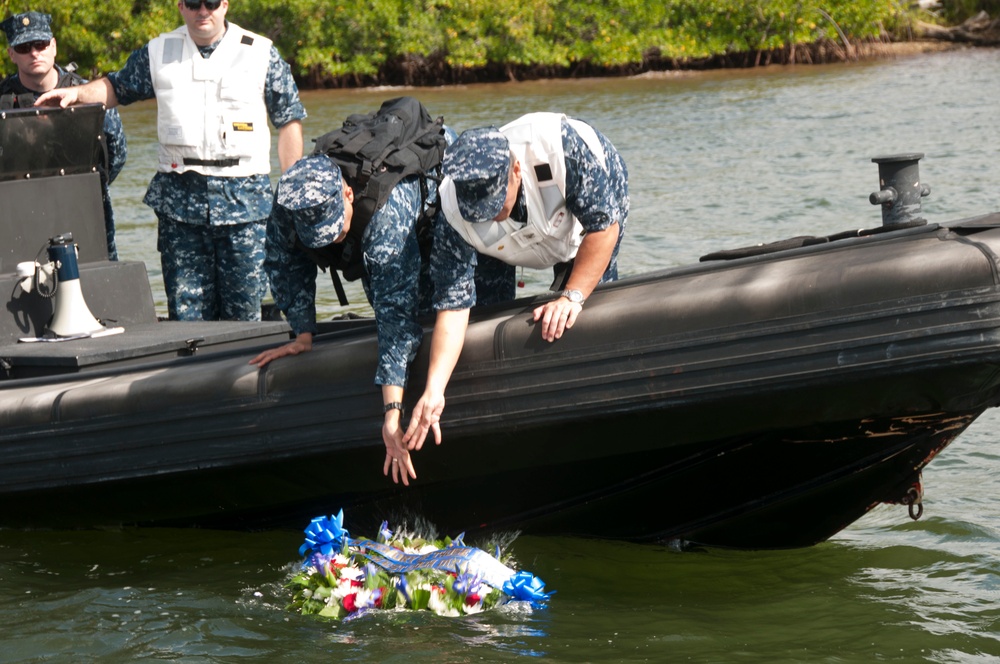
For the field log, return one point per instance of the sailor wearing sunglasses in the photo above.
(216, 86)
(32, 49)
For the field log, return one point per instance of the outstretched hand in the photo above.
(60, 97)
(397, 456)
(426, 417)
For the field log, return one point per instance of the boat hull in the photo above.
(763, 403)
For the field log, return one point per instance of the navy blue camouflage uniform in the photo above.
(396, 278)
(596, 196)
(212, 229)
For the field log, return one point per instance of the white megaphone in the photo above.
(71, 316)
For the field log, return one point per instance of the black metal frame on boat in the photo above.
(768, 400)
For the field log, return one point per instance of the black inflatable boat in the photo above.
(764, 397)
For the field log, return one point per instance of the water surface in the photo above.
(717, 160)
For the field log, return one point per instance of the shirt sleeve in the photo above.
(114, 134)
(292, 275)
(453, 268)
(588, 186)
(392, 266)
(281, 94)
(134, 81)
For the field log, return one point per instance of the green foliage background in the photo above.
(329, 42)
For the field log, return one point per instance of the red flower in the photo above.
(356, 584)
(378, 599)
(472, 599)
(349, 602)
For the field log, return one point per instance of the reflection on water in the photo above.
(717, 160)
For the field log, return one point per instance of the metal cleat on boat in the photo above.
(900, 189)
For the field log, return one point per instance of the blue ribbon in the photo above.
(453, 559)
(325, 535)
(526, 587)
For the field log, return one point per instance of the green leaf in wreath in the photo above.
(420, 598)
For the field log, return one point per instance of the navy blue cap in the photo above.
(27, 27)
(311, 194)
(479, 165)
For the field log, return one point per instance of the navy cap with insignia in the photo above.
(311, 195)
(479, 165)
(27, 27)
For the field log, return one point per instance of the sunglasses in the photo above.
(28, 47)
(210, 5)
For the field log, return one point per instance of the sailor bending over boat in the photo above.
(542, 191)
(32, 49)
(216, 86)
(314, 207)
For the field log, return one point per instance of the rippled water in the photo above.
(717, 160)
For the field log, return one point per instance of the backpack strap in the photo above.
(339, 287)
(326, 257)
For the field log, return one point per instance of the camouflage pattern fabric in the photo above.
(311, 195)
(597, 197)
(216, 202)
(396, 278)
(212, 272)
(396, 283)
(27, 27)
(479, 165)
(495, 281)
(114, 135)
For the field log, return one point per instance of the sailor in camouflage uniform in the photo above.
(32, 48)
(313, 206)
(216, 86)
(539, 192)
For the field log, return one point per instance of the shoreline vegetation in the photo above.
(445, 42)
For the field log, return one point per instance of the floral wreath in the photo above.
(344, 578)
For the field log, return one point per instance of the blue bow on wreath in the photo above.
(526, 587)
(325, 535)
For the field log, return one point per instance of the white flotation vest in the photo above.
(552, 235)
(211, 116)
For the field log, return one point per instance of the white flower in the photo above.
(353, 573)
(437, 605)
(364, 599)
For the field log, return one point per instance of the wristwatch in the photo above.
(395, 405)
(574, 296)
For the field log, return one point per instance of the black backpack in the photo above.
(374, 152)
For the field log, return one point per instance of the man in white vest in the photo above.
(543, 191)
(216, 87)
